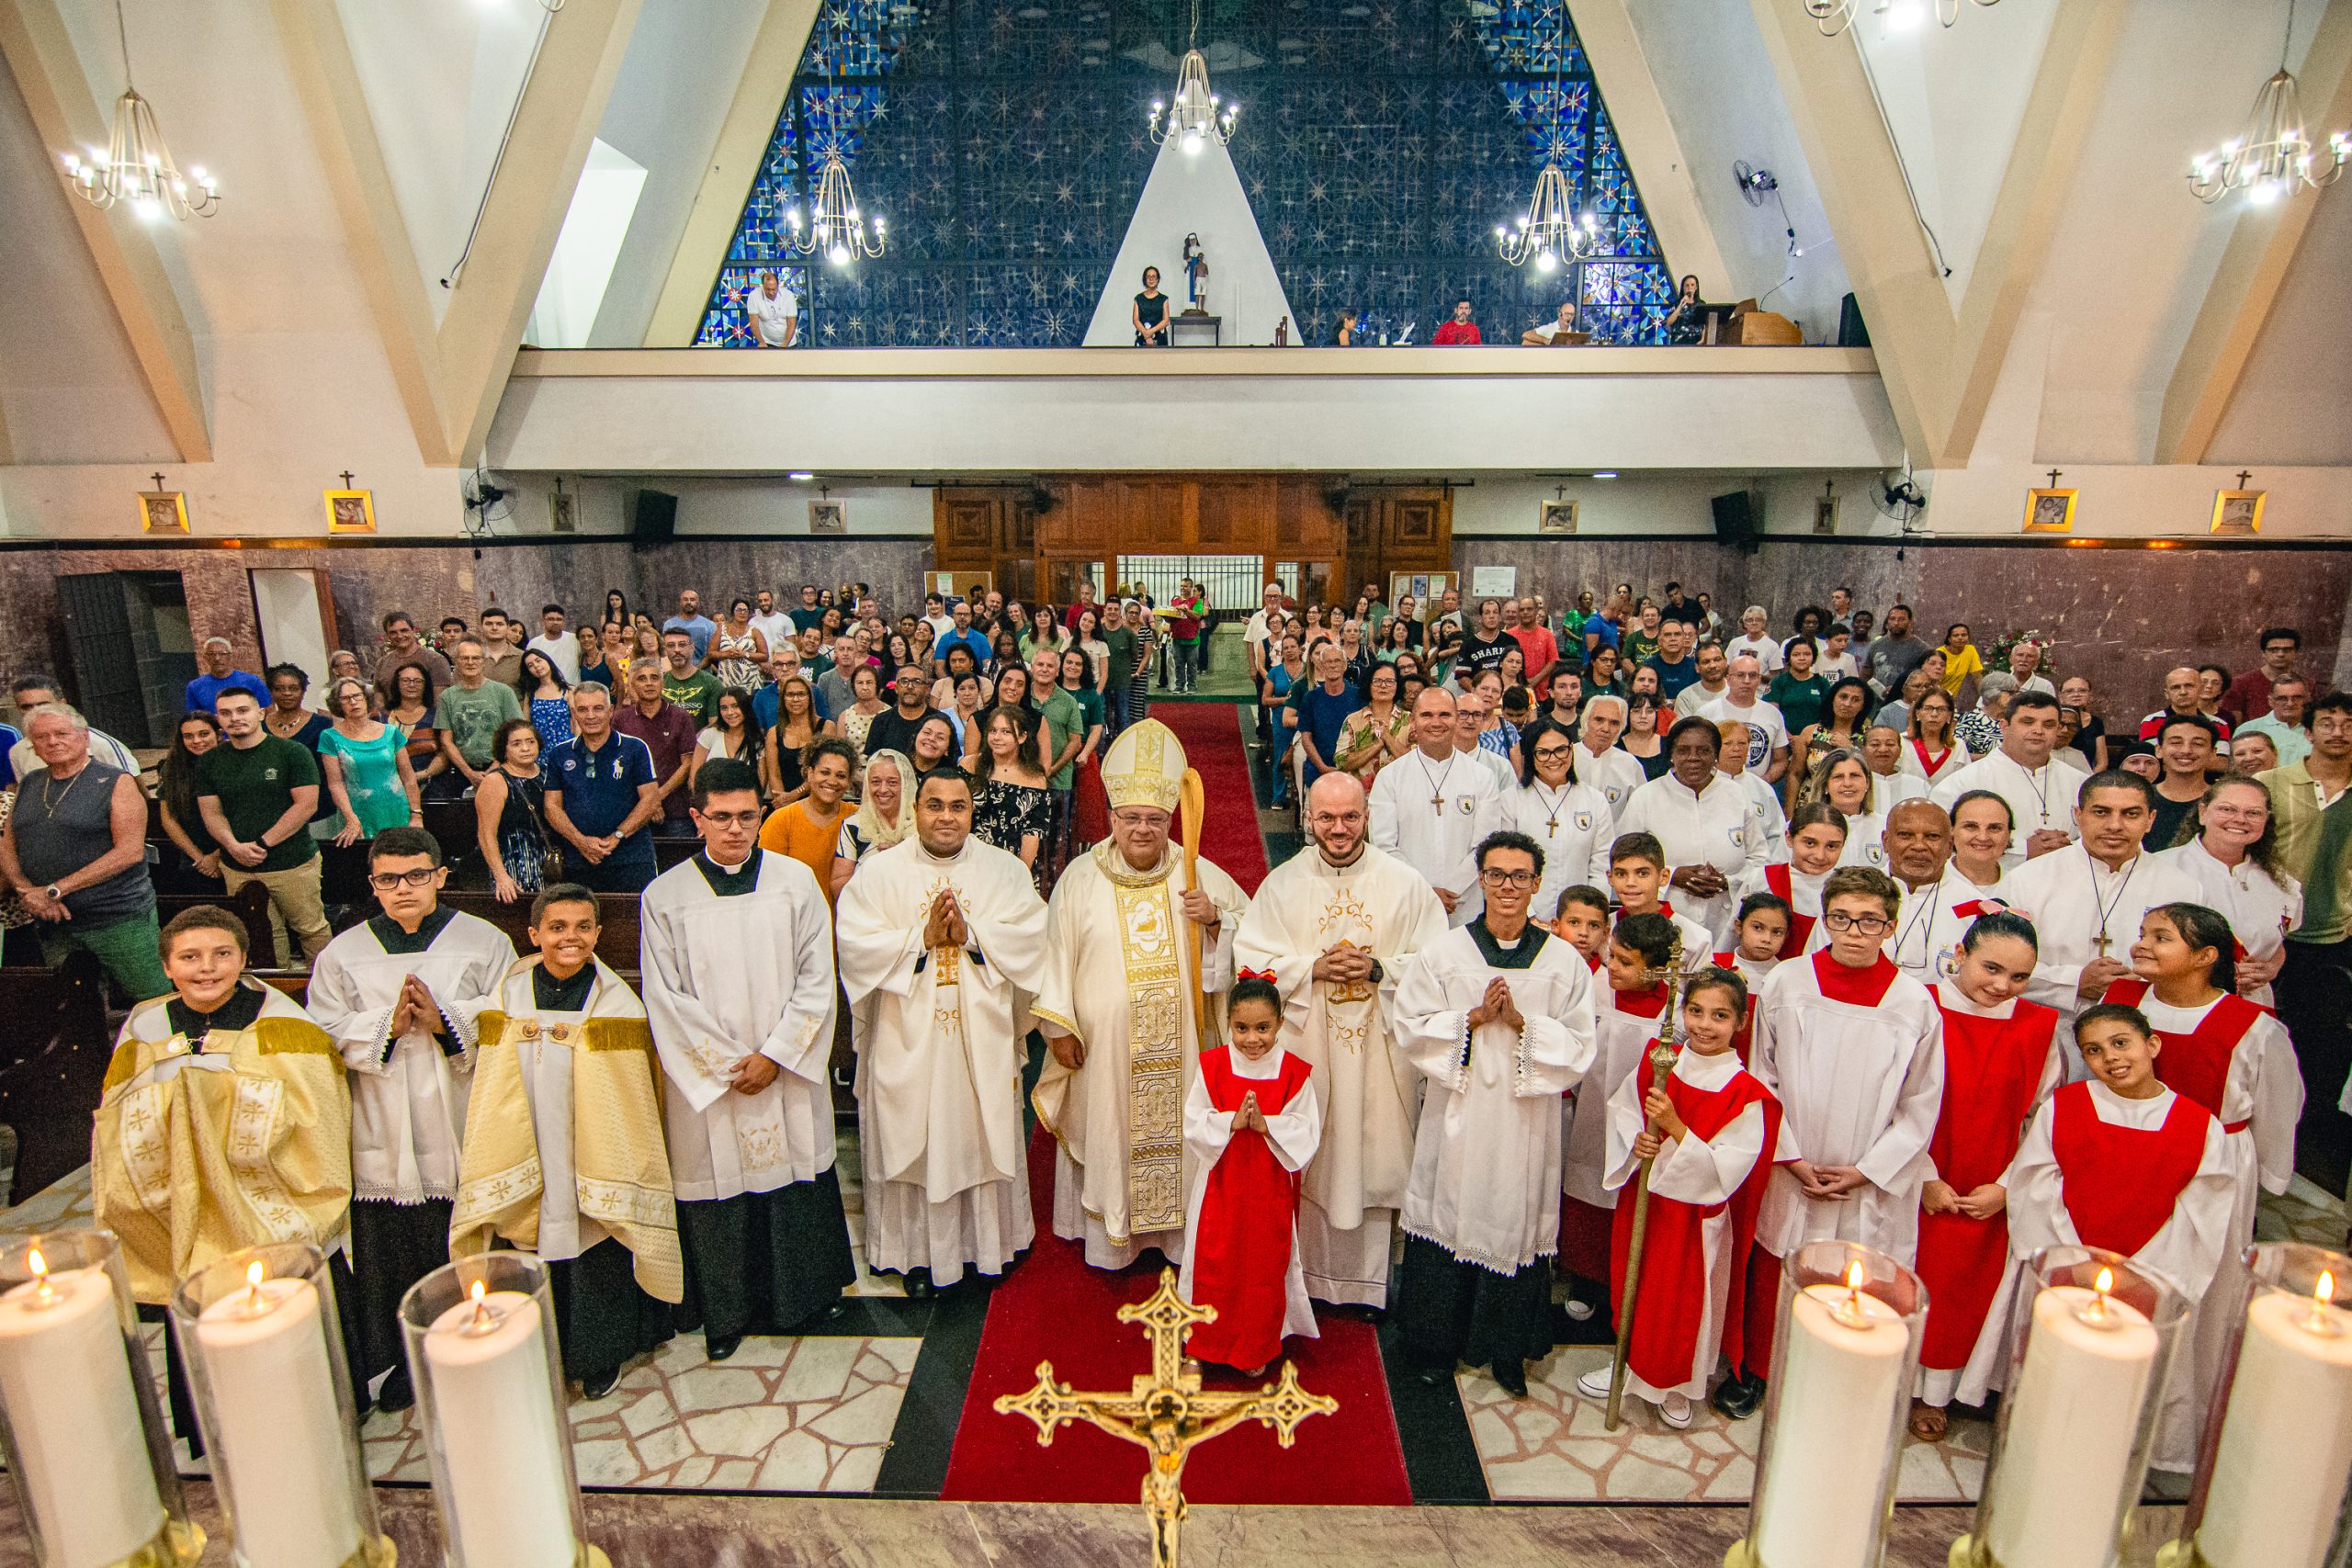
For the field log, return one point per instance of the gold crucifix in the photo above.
(1166, 1412)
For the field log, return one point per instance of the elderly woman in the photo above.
(883, 816)
(1701, 820)
(76, 850)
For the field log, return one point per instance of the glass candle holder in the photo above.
(2089, 1349)
(480, 1334)
(2273, 1471)
(1843, 1360)
(263, 1341)
(87, 1449)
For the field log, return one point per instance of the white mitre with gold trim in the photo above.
(1144, 767)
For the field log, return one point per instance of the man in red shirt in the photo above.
(2249, 694)
(1187, 604)
(1537, 646)
(1459, 330)
(668, 731)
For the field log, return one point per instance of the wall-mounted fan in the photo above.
(1898, 496)
(487, 501)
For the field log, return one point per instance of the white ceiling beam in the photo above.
(1646, 134)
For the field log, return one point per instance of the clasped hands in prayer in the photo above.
(1700, 881)
(1828, 1182)
(1248, 1118)
(946, 927)
(1344, 963)
(1943, 1198)
(415, 1008)
(1498, 1007)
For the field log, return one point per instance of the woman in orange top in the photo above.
(809, 827)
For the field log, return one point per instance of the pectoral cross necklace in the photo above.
(2108, 907)
(1436, 784)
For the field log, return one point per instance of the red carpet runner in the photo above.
(1053, 1307)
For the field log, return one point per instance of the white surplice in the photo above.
(940, 1040)
(2262, 1097)
(1892, 790)
(408, 1098)
(1118, 975)
(1706, 828)
(1865, 840)
(1355, 1184)
(1768, 823)
(1620, 1040)
(1575, 827)
(1486, 1180)
(2071, 900)
(724, 977)
(1432, 816)
(2261, 908)
(2039, 797)
(1292, 1135)
(1616, 773)
(1862, 1086)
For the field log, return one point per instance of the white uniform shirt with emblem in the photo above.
(1708, 827)
(2039, 797)
(1432, 815)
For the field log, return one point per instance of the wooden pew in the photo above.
(53, 1068)
(250, 904)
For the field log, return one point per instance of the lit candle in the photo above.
(276, 1429)
(73, 1412)
(510, 1496)
(2286, 1444)
(2073, 1416)
(1842, 1379)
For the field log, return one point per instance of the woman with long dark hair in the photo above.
(542, 687)
(197, 867)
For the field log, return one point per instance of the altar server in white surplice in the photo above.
(1335, 925)
(400, 994)
(943, 943)
(1433, 805)
(1119, 1008)
(1498, 1017)
(738, 973)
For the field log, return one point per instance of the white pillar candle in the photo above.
(276, 1429)
(2286, 1445)
(2072, 1418)
(74, 1411)
(510, 1497)
(1824, 1495)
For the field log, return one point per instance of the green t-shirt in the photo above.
(1091, 704)
(1123, 655)
(1639, 646)
(697, 694)
(471, 718)
(255, 787)
(1065, 722)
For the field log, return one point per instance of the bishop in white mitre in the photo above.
(942, 944)
(1335, 925)
(1432, 806)
(1121, 1009)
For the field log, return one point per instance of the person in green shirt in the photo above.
(468, 712)
(1122, 643)
(256, 792)
(695, 690)
(1799, 691)
(1065, 733)
(1641, 638)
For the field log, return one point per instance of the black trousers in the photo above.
(395, 1245)
(2314, 1001)
(1448, 1310)
(765, 1262)
(602, 1316)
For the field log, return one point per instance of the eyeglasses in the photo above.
(385, 881)
(1868, 925)
(1552, 754)
(1508, 878)
(729, 818)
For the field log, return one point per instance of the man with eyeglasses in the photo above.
(400, 995)
(1496, 1015)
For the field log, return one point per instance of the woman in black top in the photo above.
(195, 867)
(1150, 314)
(1687, 322)
(1344, 335)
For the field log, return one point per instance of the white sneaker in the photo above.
(1674, 1411)
(1594, 1384)
(1579, 1312)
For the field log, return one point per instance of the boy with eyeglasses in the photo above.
(400, 995)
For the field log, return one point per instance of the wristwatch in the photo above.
(53, 895)
(1378, 972)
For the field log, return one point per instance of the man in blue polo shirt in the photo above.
(690, 620)
(220, 675)
(601, 794)
(964, 636)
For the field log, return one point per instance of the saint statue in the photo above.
(1196, 277)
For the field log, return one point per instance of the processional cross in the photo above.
(1166, 1412)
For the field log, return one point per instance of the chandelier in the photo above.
(1834, 16)
(1199, 114)
(2273, 155)
(137, 168)
(836, 228)
(1551, 231)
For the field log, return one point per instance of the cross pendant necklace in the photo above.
(1437, 785)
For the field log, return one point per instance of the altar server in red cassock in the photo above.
(1251, 1123)
(1757, 940)
(2122, 1162)
(2001, 1059)
(1625, 1019)
(1816, 839)
(1719, 1132)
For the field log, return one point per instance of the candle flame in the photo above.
(479, 1291)
(1854, 1275)
(255, 1274)
(2105, 1284)
(2323, 1292)
(40, 1265)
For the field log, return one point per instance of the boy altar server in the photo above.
(563, 1153)
(943, 943)
(738, 969)
(400, 995)
(1497, 1015)
(1627, 1006)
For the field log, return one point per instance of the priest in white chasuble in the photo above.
(400, 995)
(737, 960)
(943, 943)
(1496, 1015)
(1433, 805)
(564, 1154)
(1336, 925)
(1120, 1009)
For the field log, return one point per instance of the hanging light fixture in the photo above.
(1834, 16)
(1199, 115)
(2272, 155)
(137, 168)
(1551, 232)
(836, 229)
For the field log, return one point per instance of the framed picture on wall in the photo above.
(351, 511)
(2238, 511)
(1426, 587)
(166, 512)
(1555, 517)
(2050, 511)
(564, 510)
(1824, 514)
(828, 517)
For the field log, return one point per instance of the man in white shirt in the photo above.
(1714, 673)
(560, 647)
(2290, 698)
(2021, 772)
(2025, 660)
(1432, 805)
(1768, 732)
(1752, 640)
(773, 624)
(32, 690)
(1835, 659)
(1598, 762)
(774, 313)
(1470, 710)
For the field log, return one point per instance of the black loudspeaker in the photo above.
(652, 517)
(1851, 332)
(1739, 518)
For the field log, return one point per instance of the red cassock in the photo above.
(1584, 1227)
(1776, 878)
(1992, 1067)
(1673, 1299)
(2196, 1066)
(1249, 1218)
(2120, 1184)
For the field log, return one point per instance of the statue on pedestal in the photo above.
(1196, 277)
